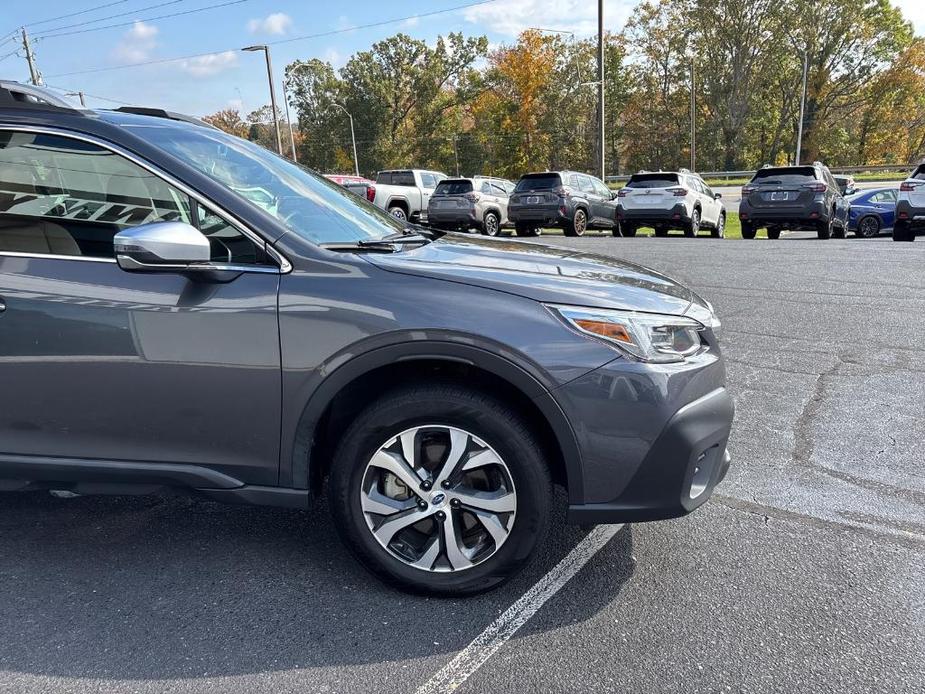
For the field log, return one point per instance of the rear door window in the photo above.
(428, 180)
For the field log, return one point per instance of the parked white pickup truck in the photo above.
(404, 193)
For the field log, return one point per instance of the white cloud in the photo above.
(209, 65)
(136, 44)
(914, 11)
(335, 57)
(512, 17)
(411, 22)
(276, 23)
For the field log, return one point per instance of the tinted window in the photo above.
(450, 187)
(428, 180)
(793, 175)
(538, 182)
(653, 180)
(497, 189)
(586, 184)
(66, 197)
(600, 188)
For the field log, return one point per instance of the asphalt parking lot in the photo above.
(805, 573)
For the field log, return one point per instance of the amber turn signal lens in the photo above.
(612, 331)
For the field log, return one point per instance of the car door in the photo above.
(608, 206)
(884, 203)
(586, 185)
(711, 206)
(500, 190)
(121, 368)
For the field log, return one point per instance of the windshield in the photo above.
(791, 176)
(538, 182)
(308, 204)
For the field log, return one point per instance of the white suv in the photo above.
(910, 206)
(670, 200)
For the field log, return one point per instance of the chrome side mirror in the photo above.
(160, 247)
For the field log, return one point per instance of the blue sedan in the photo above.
(872, 211)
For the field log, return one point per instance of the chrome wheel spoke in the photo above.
(429, 556)
(385, 532)
(494, 502)
(459, 442)
(375, 501)
(485, 457)
(455, 552)
(398, 467)
(493, 525)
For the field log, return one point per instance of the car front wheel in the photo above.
(440, 489)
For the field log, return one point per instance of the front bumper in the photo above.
(679, 473)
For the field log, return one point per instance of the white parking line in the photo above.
(483, 646)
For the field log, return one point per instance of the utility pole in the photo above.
(600, 84)
(79, 95)
(693, 116)
(266, 52)
(34, 74)
(353, 138)
(289, 122)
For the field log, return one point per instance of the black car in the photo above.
(803, 198)
(569, 200)
(183, 310)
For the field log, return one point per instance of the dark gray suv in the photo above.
(574, 202)
(181, 309)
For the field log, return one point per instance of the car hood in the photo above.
(545, 273)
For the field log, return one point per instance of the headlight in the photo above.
(650, 337)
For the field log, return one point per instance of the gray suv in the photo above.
(574, 202)
(184, 310)
(463, 203)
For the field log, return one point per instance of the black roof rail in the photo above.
(161, 113)
(26, 96)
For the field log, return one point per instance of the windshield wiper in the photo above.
(388, 243)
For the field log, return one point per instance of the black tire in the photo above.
(454, 405)
(398, 212)
(578, 224)
(774, 233)
(824, 229)
(661, 231)
(693, 226)
(524, 230)
(902, 231)
(868, 227)
(491, 224)
(748, 230)
(625, 229)
(839, 230)
(719, 232)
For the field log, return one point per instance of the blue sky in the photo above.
(220, 75)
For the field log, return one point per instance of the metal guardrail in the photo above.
(728, 175)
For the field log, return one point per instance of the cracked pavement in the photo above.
(805, 572)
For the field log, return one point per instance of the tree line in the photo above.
(456, 105)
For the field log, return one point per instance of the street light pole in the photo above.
(353, 138)
(266, 52)
(600, 84)
(289, 122)
(802, 104)
(693, 116)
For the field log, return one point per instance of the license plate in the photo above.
(780, 196)
(533, 199)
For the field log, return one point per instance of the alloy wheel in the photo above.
(869, 227)
(491, 224)
(438, 498)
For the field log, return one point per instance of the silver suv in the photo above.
(464, 203)
(670, 200)
(910, 206)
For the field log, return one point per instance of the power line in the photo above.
(7, 55)
(146, 19)
(95, 96)
(279, 41)
(110, 16)
(79, 12)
